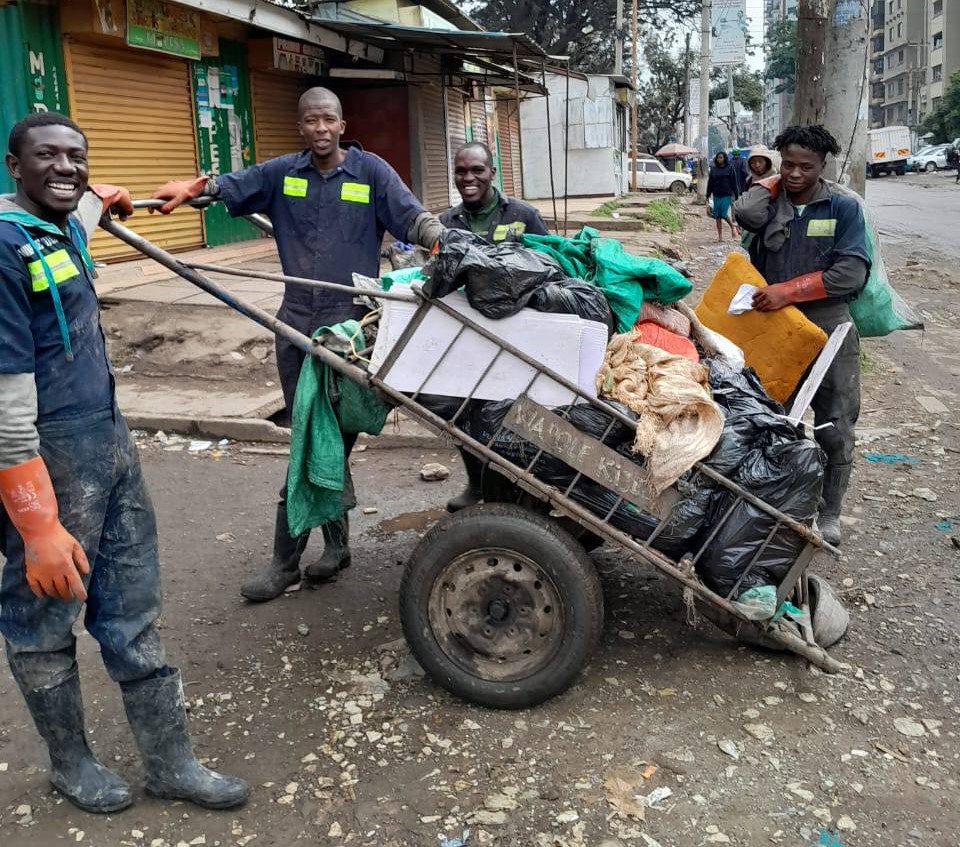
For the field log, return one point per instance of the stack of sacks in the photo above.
(665, 328)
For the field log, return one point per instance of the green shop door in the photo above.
(221, 91)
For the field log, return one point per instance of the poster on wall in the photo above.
(165, 27)
(729, 27)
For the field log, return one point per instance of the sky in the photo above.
(755, 14)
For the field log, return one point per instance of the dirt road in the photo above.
(312, 699)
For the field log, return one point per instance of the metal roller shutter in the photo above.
(456, 134)
(515, 149)
(276, 101)
(433, 134)
(504, 125)
(478, 120)
(136, 108)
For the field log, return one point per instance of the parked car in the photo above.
(929, 159)
(653, 176)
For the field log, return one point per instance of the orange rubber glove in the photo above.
(800, 289)
(114, 197)
(178, 191)
(772, 184)
(54, 558)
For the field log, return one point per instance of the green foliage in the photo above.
(660, 98)
(665, 214)
(606, 210)
(781, 56)
(944, 121)
(747, 88)
(585, 30)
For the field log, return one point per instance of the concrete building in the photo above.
(943, 55)
(777, 107)
(598, 150)
(903, 58)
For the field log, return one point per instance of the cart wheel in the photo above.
(500, 606)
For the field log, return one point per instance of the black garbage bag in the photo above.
(574, 297)
(686, 517)
(770, 458)
(499, 279)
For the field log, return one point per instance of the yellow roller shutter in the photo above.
(508, 129)
(275, 100)
(478, 119)
(136, 108)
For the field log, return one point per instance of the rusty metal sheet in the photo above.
(582, 452)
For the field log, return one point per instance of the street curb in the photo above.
(256, 430)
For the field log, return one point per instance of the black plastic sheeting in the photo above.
(501, 279)
(763, 453)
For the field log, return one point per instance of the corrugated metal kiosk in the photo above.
(136, 108)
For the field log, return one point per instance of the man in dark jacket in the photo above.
(330, 206)
(484, 210)
(810, 245)
(496, 217)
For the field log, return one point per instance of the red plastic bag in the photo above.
(647, 332)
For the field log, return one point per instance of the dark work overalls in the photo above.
(92, 461)
(327, 226)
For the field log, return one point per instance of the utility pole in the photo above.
(618, 42)
(706, 21)
(733, 108)
(845, 105)
(809, 100)
(686, 91)
(636, 79)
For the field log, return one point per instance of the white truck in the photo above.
(889, 148)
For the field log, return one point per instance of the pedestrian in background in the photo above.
(722, 190)
(953, 160)
(760, 164)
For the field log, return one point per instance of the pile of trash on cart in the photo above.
(617, 326)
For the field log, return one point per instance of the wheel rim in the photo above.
(931, 167)
(678, 188)
(496, 614)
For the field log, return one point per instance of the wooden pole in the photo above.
(636, 79)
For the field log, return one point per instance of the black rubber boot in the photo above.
(473, 493)
(283, 569)
(836, 478)
(75, 772)
(336, 552)
(158, 720)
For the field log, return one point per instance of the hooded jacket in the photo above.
(723, 181)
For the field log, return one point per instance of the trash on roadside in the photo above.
(199, 446)
(743, 300)
(891, 458)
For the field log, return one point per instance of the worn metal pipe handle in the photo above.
(259, 221)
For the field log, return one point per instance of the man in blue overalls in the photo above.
(77, 523)
(330, 207)
(810, 245)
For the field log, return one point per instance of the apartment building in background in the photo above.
(777, 107)
(943, 58)
(914, 48)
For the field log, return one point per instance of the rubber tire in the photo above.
(678, 188)
(901, 170)
(556, 553)
(930, 167)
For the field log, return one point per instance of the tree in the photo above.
(747, 88)
(781, 56)
(944, 121)
(581, 29)
(661, 104)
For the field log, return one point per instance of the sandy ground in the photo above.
(313, 699)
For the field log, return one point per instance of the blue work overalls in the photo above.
(50, 327)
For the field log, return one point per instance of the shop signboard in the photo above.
(165, 27)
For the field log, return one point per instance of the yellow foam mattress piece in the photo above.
(779, 345)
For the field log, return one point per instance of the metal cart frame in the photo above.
(552, 434)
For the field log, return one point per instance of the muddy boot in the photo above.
(57, 711)
(283, 570)
(155, 712)
(472, 494)
(835, 481)
(336, 551)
